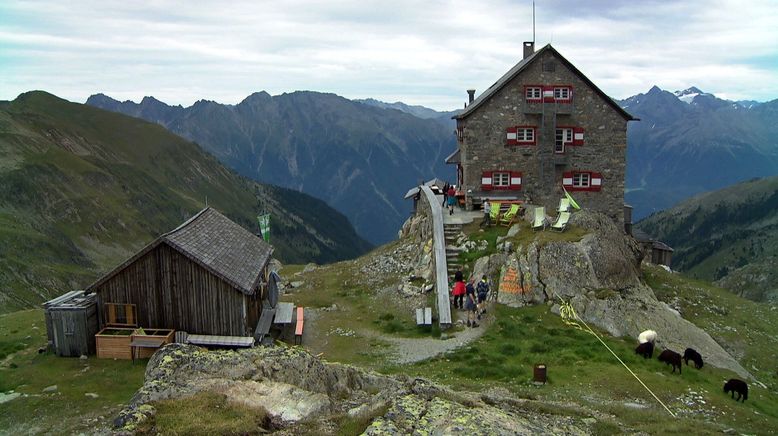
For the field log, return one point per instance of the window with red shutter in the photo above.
(563, 137)
(582, 181)
(533, 93)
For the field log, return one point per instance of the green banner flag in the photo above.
(264, 226)
(570, 197)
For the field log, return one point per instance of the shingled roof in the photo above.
(519, 67)
(216, 243)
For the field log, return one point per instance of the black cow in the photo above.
(645, 349)
(694, 356)
(670, 357)
(739, 386)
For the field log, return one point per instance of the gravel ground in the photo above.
(410, 350)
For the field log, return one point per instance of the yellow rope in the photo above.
(569, 317)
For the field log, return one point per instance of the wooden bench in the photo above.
(263, 326)
(139, 343)
(298, 328)
(424, 316)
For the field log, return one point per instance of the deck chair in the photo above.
(495, 212)
(540, 219)
(508, 217)
(564, 205)
(561, 221)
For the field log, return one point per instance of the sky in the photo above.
(425, 52)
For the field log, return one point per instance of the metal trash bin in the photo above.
(540, 373)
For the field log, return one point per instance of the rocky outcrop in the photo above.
(296, 388)
(600, 276)
(417, 233)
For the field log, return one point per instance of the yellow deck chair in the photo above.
(540, 219)
(495, 212)
(508, 217)
(561, 221)
(564, 205)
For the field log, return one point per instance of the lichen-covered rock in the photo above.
(295, 389)
(413, 414)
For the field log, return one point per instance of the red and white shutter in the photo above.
(578, 136)
(510, 136)
(515, 182)
(567, 180)
(595, 182)
(486, 181)
(548, 94)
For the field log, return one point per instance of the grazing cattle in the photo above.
(739, 386)
(694, 356)
(646, 350)
(647, 336)
(670, 357)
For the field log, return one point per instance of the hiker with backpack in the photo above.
(470, 304)
(482, 289)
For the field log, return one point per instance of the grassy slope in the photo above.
(82, 188)
(584, 379)
(68, 410)
(726, 232)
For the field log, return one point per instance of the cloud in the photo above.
(419, 52)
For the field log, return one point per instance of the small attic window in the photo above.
(549, 67)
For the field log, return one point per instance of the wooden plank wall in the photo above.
(171, 291)
(73, 331)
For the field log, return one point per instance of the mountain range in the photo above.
(729, 236)
(359, 158)
(82, 188)
(690, 142)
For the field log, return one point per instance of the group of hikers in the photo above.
(470, 297)
(449, 197)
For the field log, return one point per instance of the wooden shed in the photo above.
(656, 252)
(71, 324)
(207, 276)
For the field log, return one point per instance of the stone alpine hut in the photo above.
(541, 127)
(207, 276)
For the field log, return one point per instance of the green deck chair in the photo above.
(540, 219)
(561, 221)
(508, 217)
(564, 205)
(495, 212)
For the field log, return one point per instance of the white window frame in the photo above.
(525, 135)
(501, 179)
(582, 180)
(562, 93)
(562, 137)
(533, 93)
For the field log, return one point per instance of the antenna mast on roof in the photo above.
(533, 22)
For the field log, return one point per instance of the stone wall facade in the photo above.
(482, 141)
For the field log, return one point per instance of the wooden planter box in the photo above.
(162, 336)
(114, 343)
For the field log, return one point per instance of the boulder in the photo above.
(293, 387)
(600, 275)
(513, 231)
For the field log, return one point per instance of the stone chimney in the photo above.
(471, 95)
(529, 48)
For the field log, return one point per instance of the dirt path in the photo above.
(411, 350)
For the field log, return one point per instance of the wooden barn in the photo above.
(208, 276)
